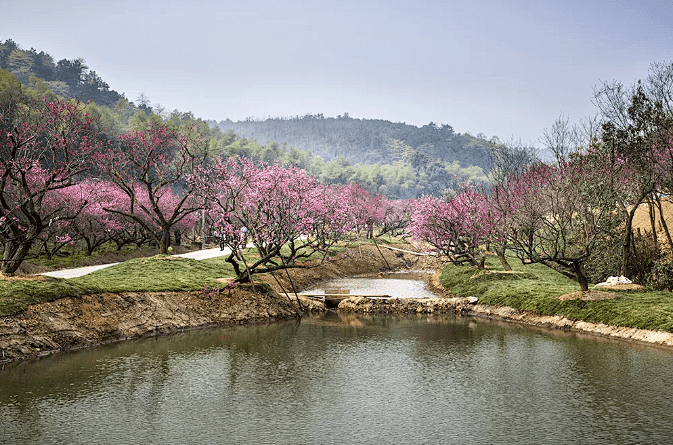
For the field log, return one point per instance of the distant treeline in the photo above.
(412, 175)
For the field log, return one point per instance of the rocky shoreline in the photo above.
(510, 314)
(446, 302)
(74, 323)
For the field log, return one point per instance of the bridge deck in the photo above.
(333, 300)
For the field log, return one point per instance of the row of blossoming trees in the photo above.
(63, 179)
(550, 214)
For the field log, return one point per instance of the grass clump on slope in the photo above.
(16, 295)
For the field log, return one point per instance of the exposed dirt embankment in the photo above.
(366, 259)
(72, 323)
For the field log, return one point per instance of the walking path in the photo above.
(79, 271)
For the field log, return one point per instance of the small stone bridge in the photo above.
(332, 297)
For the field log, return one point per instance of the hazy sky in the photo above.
(507, 68)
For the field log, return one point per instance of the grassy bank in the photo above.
(17, 294)
(538, 288)
(157, 273)
(106, 254)
(146, 274)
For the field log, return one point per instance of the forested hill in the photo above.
(366, 141)
(369, 141)
(65, 78)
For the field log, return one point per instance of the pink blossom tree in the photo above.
(286, 214)
(130, 233)
(54, 238)
(150, 168)
(508, 161)
(558, 214)
(94, 225)
(67, 205)
(397, 215)
(455, 227)
(333, 216)
(366, 209)
(43, 149)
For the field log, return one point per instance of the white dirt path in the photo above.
(79, 271)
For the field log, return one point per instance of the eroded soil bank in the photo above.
(73, 323)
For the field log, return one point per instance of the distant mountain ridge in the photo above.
(368, 141)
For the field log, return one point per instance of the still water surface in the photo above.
(345, 379)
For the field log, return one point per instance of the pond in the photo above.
(338, 378)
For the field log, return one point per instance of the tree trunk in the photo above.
(90, 247)
(14, 255)
(627, 245)
(650, 207)
(47, 252)
(165, 241)
(500, 251)
(231, 259)
(581, 278)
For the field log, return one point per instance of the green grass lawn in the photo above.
(536, 287)
(157, 273)
(147, 274)
(105, 254)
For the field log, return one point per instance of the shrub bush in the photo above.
(605, 261)
(661, 275)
